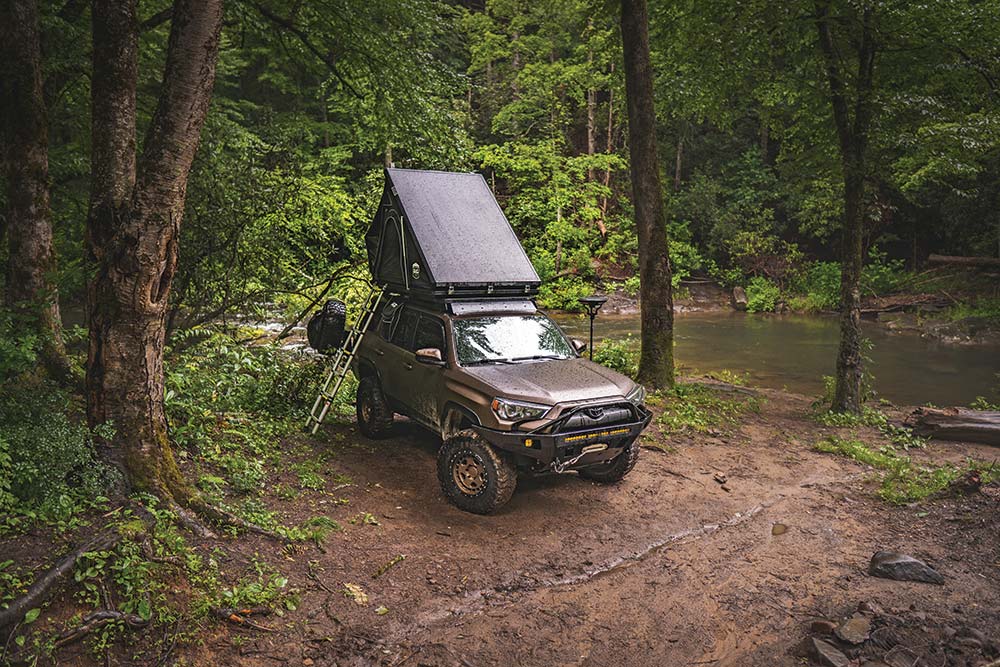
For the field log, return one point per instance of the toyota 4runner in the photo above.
(504, 387)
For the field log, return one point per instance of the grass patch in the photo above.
(901, 480)
(698, 408)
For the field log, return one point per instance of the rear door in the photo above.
(397, 357)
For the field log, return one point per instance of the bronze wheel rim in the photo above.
(366, 410)
(469, 474)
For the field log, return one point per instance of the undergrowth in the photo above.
(901, 480)
(698, 408)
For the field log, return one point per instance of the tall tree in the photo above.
(133, 226)
(656, 359)
(31, 265)
(852, 102)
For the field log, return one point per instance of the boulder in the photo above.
(739, 298)
(891, 565)
(827, 654)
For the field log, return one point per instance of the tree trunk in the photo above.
(678, 162)
(31, 258)
(134, 224)
(656, 359)
(852, 135)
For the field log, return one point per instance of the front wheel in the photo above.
(374, 413)
(473, 475)
(614, 470)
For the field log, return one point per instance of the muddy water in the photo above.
(794, 352)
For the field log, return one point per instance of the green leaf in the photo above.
(32, 615)
(20, 640)
(144, 611)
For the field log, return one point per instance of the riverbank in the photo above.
(735, 541)
(959, 307)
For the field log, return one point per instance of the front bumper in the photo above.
(548, 444)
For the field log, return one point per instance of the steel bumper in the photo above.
(546, 448)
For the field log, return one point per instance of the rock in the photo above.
(855, 630)
(779, 529)
(822, 627)
(891, 565)
(827, 654)
(739, 299)
(869, 607)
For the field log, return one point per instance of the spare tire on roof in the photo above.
(326, 329)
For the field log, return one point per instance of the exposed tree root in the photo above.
(242, 616)
(225, 518)
(96, 620)
(40, 590)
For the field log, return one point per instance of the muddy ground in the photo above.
(672, 567)
(721, 548)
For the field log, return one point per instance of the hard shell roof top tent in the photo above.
(442, 235)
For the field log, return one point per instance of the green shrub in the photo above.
(563, 293)
(48, 467)
(631, 285)
(762, 295)
(620, 354)
(881, 275)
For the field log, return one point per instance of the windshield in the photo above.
(508, 339)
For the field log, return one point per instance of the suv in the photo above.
(504, 387)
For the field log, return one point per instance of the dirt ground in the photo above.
(669, 568)
(725, 549)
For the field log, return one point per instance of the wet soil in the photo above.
(669, 568)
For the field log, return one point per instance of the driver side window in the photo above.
(430, 333)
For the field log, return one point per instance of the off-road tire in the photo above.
(498, 474)
(374, 413)
(614, 470)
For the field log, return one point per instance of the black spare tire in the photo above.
(325, 330)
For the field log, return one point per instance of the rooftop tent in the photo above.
(440, 234)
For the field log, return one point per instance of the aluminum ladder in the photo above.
(342, 361)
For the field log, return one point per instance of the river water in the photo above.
(794, 352)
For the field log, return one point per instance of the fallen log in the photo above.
(963, 261)
(957, 424)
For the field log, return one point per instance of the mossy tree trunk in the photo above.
(31, 258)
(133, 227)
(853, 126)
(656, 359)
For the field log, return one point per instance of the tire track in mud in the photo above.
(509, 593)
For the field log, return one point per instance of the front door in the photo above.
(425, 380)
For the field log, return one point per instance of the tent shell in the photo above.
(442, 235)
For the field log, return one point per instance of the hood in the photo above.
(553, 381)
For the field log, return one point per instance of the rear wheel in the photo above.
(374, 413)
(614, 470)
(473, 475)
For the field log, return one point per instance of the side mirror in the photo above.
(580, 345)
(430, 356)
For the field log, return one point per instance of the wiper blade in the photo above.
(479, 362)
(539, 356)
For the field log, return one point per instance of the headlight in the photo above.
(637, 395)
(516, 411)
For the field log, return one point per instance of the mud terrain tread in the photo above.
(501, 484)
(381, 420)
(615, 471)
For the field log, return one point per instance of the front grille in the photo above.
(593, 416)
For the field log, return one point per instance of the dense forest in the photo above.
(180, 174)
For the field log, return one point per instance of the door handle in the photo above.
(409, 366)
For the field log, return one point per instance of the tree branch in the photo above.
(326, 59)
